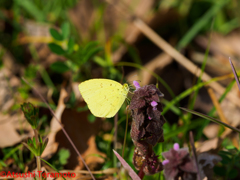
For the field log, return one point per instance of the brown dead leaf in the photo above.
(211, 144)
(82, 132)
(76, 90)
(211, 131)
(9, 128)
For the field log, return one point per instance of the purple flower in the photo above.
(166, 161)
(136, 84)
(178, 164)
(176, 146)
(154, 104)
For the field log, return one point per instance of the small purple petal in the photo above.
(136, 84)
(166, 161)
(154, 103)
(176, 146)
(149, 118)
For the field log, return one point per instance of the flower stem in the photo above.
(141, 173)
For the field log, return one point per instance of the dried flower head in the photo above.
(146, 129)
(145, 107)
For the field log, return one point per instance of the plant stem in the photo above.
(39, 166)
(38, 158)
(141, 173)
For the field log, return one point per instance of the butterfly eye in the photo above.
(125, 86)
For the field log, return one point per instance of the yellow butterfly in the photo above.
(104, 97)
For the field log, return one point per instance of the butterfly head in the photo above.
(126, 88)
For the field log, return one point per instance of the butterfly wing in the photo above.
(103, 96)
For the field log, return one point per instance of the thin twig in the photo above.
(194, 153)
(64, 131)
(125, 136)
(115, 138)
(234, 72)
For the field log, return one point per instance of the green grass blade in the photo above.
(183, 95)
(193, 125)
(201, 23)
(13, 151)
(211, 119)
(52, 167)
(173, 108)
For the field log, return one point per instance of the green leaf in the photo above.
(225, 159)
(211, 119)
(56, 48)
(81, 109)
(32, 9)
(65, 30)
(100, 61)
(90, 53)
(31, 148)
(59, 67)
(91, 118)
(233, 173)
(64, 154)
(55, 34)
(34, 143)
(70, 45)
(43, 145)
(2, 163)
